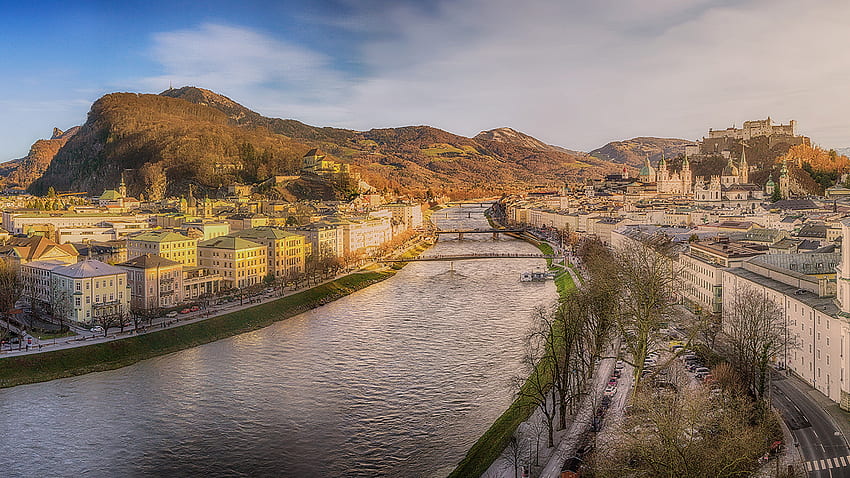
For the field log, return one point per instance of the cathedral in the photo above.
(731, 188)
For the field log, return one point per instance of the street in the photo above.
(821, 442)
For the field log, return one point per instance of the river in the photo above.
(398, 379)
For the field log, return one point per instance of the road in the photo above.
(821, 442)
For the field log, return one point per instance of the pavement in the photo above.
(818, 427)
(85, 337)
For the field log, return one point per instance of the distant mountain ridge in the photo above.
(194, 136)
(20, 173)
(633, 152)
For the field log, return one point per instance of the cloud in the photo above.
(576, 74)
(271, 76)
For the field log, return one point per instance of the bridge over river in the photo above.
(473, 255)
(494, 232)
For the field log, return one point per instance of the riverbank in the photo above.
(489, 447)
(69, 362)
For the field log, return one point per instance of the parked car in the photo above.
(96, 329)
(702, 370)
(610, 390)
(195, 308)
(185, 311)
(619, 365)
(171, 314)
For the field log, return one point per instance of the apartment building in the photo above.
(155, 282)
(168, 244)
(286, 251)
(240, 262)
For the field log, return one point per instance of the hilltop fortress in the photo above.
(730, 186)
(725, 141)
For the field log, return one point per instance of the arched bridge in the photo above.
(463, 257)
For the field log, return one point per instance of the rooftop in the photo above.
(149, 261)
(88, 268)
(160, 236)
(229, 242)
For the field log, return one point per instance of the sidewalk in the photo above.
(840, 418)
(165, 322)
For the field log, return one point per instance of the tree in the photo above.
(514, 454)
(539, 364)
(755, 334)
(777, 195)
(10, 291)
(649, 279)
(109, 320)
(685, 433)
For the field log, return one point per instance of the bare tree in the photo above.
(755, 335)
(649, 278)
(539, 364)
(10, 291)
(685, 433)
(514, 454)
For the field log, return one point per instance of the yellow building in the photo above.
(286, 251)
(167, 244)
(241, 263)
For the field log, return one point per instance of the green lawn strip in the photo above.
(488, 448)
(119, 353)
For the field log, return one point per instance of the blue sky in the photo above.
(572, 73)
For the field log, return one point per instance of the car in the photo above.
(702, 370)
(619, 365)
(171, 314)
(96, 329)
(610, 390)
(195, 308)
(185, 311)
(616, 373)
(612, 381)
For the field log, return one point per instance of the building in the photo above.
(163, 243)
(363, 235)
(155, 282)
(37, 285)
(22, 250)
(286, 251)
(702, 265)
(405, 216)
(815, 302)
(240, 262)
(20, 221)
(755, 128)
(89, 291)
(325, 239)
(199, 283)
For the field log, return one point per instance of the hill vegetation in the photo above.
(633, 152)
(194, 136)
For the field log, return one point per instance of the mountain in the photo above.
(191, 135)
(20, 173)
(633, 152)
(512, 136)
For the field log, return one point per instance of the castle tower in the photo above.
(745, 168)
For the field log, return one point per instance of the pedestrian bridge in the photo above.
(494, 232)
(463, 257)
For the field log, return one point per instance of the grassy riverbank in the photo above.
(68, 362)
(488, 448)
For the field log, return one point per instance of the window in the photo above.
(77, 301)
(78, 286)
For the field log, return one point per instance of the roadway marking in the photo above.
(828, 463)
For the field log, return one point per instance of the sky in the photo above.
(573, 73)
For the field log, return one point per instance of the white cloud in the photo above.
(271, 76)
(577, 74)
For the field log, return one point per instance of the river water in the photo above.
(398, 379)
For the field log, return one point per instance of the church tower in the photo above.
(122, 188)
(784, 181)
(687, 176)
(745, 168)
